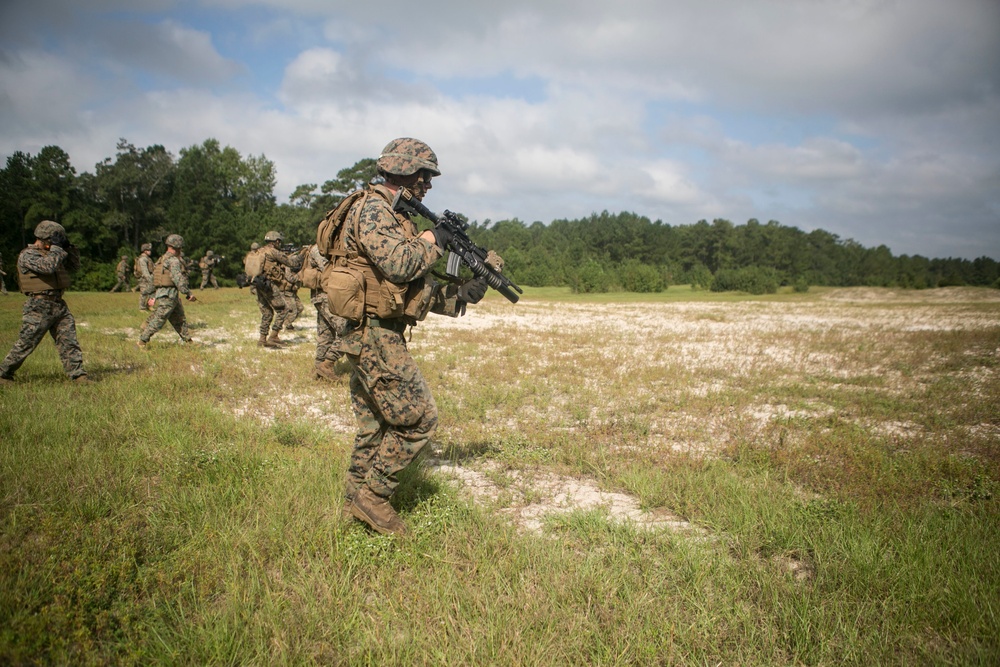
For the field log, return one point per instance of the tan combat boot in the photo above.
(377, 513)
(324, 371)
(274, 341)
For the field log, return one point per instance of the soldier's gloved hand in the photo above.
(473, 291)
(59, 239)
(442, 236)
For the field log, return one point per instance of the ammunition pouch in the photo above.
(344, 286)
(310, 276)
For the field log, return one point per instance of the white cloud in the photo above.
(872, 119)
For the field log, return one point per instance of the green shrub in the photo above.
(638, 277)
(753, 280)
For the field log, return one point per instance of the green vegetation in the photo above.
(218, 199)
(834, 454)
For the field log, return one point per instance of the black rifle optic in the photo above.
(471, 255)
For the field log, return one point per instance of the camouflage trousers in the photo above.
(43, 315)
(124, 283)
(273, 310)
(395, 411)
(329, 328)
(146, 292)
(166, 309)
(294, 305)
(209, 277)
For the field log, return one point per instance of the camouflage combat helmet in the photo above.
(406, 156)
(175, 241)
(147, 246)
(255, 246)
(46, 228)
(209, 253)
(273, 236)
(124, 256)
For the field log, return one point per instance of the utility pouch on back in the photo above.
(345, 291)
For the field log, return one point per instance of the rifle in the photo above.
(460, 245)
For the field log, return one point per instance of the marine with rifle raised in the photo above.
(379, 280)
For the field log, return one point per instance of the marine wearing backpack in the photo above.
(253, 263)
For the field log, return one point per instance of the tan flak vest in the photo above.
(161, 274)
(274, 270)
(32, 282)
(384, 298)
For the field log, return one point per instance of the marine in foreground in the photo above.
(43, 272)
(379, 282)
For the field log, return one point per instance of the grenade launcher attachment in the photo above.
(459, 244)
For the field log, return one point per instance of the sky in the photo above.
(876, 120)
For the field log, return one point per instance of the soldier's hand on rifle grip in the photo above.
(442, 236)
(473, 291)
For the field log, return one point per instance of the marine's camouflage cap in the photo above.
(175, 241)
(273, 236)
(406, 156)
(146, 246)
(46, 228)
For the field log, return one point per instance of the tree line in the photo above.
(220, 200)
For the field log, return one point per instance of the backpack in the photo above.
(136, 270)
(309, 274)
(344, 285)
(328, 232)
(253, 264)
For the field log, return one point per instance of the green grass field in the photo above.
(675, 479)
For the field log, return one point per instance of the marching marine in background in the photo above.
(170, 280)
(377, 280)
(3, 286)
(121, 271)
(207, 265)
(143, 270)
(329, 327)
(271, 283)
(43, 270)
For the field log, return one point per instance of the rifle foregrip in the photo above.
(492, 278)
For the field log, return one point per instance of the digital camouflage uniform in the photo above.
(168, 306)
(207, 265)
(329, 327)
(3, 285)
(146, 288)
(121, 270)
(45, 311)
(290, 294)
(275, 313)
(393, 405)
